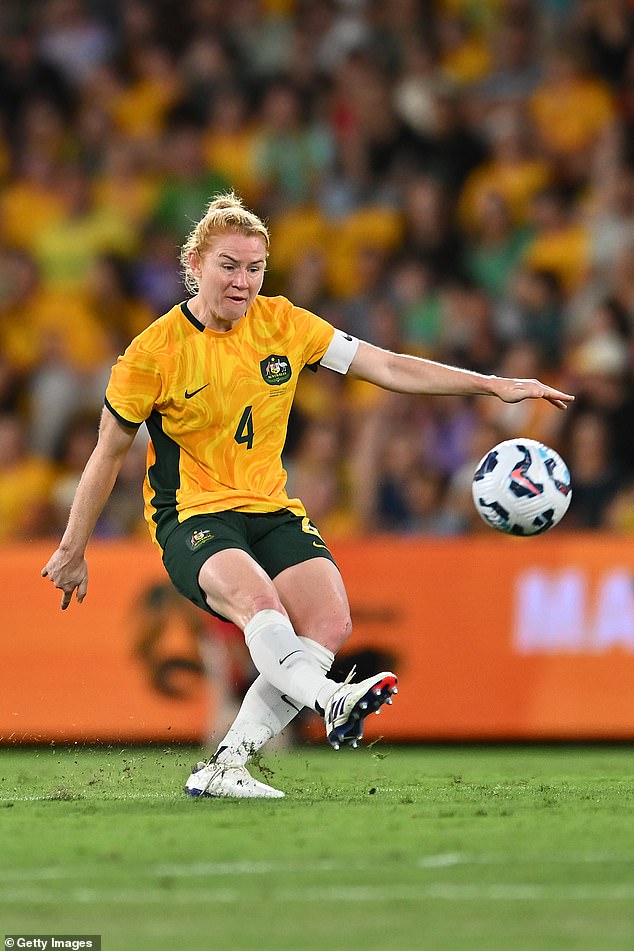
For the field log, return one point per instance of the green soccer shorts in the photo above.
(275, 540)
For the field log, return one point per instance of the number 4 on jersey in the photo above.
(244, 432)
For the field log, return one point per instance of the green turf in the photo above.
(435, 848)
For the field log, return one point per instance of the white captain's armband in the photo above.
(340, 352)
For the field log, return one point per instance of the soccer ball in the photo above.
(522, 487)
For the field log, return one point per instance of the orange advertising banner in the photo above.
(492, 638)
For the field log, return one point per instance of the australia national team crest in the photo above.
(275, 369)
(199, 537)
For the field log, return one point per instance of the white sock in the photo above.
(324, 657)
(280, 656)
(265, 712)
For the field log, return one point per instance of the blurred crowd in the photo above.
(450, 178)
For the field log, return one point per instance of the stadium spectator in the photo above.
(45, 130)
(571, 108)
(514, 172)
(597, 480)
(454, 146)
(515, 68)
(155, 276)
(431, 232)
(230, 138)
(290, 153)
(142, 102)
(417, 299)
(54, 343)
(30, 194)
(609, 213)
(111, 300)
(398, 455)
(72, 40)
(188, 182)
(25, 76)
(125, 182)
(465, 54)
(428, 513)
(418, 86)
(605, 31)
(67, 247)
(533, 310)
(494, 246)
(561, 241)
(26, 480)
(207, 70)
(601, 371)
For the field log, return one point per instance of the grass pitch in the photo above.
(434, 848)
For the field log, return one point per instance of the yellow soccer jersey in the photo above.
(216, 406)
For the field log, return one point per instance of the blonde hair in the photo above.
(225, 213)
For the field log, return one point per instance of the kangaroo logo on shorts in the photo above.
(199, 537)
(275, 369)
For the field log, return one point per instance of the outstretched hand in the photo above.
(68, 574)
(514, 391)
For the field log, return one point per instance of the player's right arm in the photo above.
(67, 568)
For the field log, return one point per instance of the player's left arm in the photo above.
(408, 374)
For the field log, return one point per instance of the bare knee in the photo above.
(332, 632)
(316, 601)
(343, 633)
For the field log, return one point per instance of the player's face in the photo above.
(230, 273)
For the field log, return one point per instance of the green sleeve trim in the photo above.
(122, 419)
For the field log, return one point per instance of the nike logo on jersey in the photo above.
(287, 656)
(189, 395)
(317, 545)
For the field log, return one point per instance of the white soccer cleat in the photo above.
(222, 781)
(351, 703)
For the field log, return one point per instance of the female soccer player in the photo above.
(214, 381)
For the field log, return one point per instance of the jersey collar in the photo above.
(187, 312)
(190, 317)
